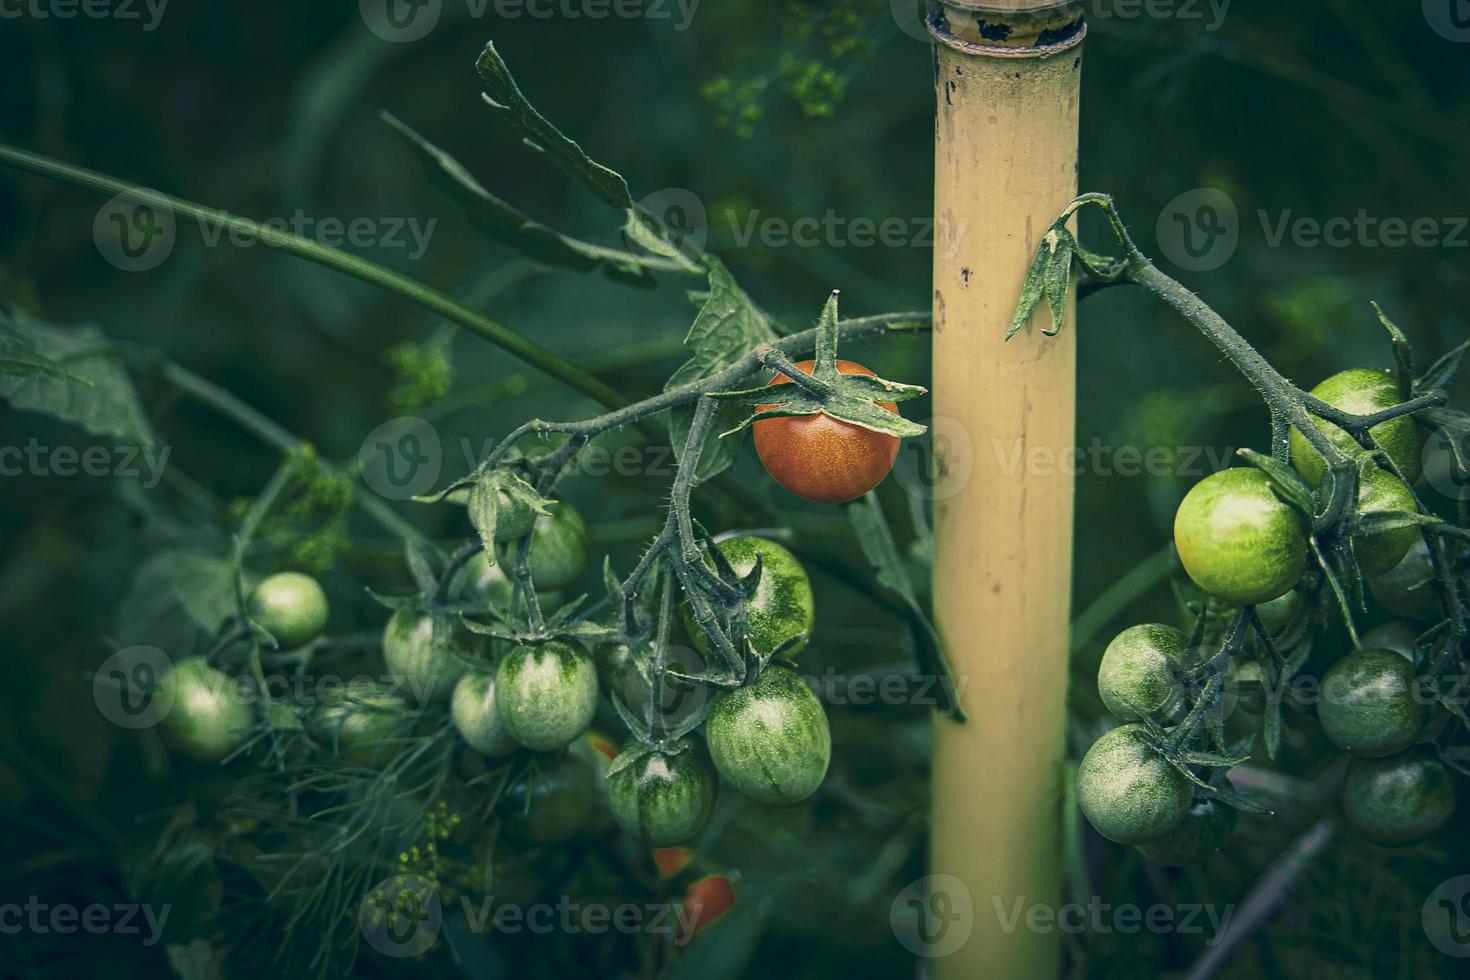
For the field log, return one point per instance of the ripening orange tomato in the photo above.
(822, 458)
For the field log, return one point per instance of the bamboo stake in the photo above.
(1007, 91)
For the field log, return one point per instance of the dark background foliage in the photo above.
(765, 110)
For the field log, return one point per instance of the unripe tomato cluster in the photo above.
(1243, 545)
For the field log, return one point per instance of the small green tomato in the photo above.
(291, 607)
(546, 694)
(1130, 792)
(210, 715)
(1136, 677)
(472, 706)
(662, 796)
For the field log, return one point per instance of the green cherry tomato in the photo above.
(209, 715)
(1369, 704)
(770, 739)
(1407, 589)
(1362, 391)
(782, 608)
(546, 694)
(291, 607)
(361, 722)
(472, 706)
(1238, 540)
(556, 801)
(662, 796)
(1398, 800)
(1130, 792)
(1204, 828)
(1380, 492)
(1136, 676)
(560, 551)
(423, 655)
(491, 584)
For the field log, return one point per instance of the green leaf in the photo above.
(502, 94)
(875, 537)
(205, 585)
(1403, 354)
(510, 226)
(1058, 281)
(1232, 797)
(420, 566)
(19, 359)
(826, 350)
(1442, 371)
(643, 230)
(727, 327)
(1032, 290)
(849, 397)
(96, 393)
(1285, 479)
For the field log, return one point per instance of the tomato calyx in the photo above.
(853, 398)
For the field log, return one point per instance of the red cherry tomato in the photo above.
(822, 458)
(705, 901)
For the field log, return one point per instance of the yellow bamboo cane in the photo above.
(1007, 90)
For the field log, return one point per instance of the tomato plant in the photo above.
(568, 601)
